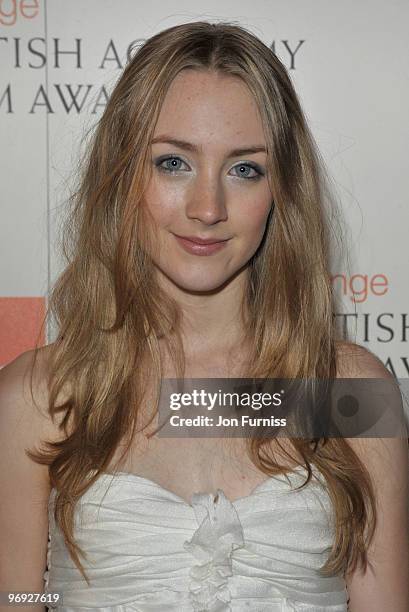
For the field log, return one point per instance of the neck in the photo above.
(211, 321)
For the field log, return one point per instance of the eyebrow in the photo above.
(183, 144)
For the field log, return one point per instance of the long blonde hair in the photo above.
(110, 313)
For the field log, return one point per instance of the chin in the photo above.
(197, 284)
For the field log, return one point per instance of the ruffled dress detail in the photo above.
(148, 550)
(218, 535)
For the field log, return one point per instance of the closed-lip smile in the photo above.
(198, 240)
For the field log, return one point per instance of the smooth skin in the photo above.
(211, 193)
(206, 192)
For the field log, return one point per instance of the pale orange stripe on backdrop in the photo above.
(20, 322)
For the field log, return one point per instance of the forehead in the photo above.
(211, 107)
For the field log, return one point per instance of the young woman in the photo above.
(203, 140)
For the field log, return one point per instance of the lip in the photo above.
(197, 246)
(198, 240)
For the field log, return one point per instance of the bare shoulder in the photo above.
(386, 460)
(24, 482)
(356, 361)
(14, 375)
(24, 398)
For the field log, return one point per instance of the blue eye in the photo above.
(173, 167)
(247, 166)
(170, 165)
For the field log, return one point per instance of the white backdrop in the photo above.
(348, 62)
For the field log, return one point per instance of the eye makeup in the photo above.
(170, 157)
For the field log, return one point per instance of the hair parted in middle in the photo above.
(111, 313)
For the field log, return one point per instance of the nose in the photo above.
(206, 201)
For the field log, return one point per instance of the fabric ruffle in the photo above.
(134, 533)
(219, 533)
(46, 575)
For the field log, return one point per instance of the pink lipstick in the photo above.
(200, 246)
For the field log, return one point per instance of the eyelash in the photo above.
(160, 161)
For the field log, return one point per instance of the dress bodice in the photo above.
(148, 550)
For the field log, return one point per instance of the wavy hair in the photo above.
(110, 312)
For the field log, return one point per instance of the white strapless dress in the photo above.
(148, 550)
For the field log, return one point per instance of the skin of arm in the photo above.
(385, 586)
(24, 484)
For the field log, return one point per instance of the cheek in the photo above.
(161, 204)
(253, 222)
